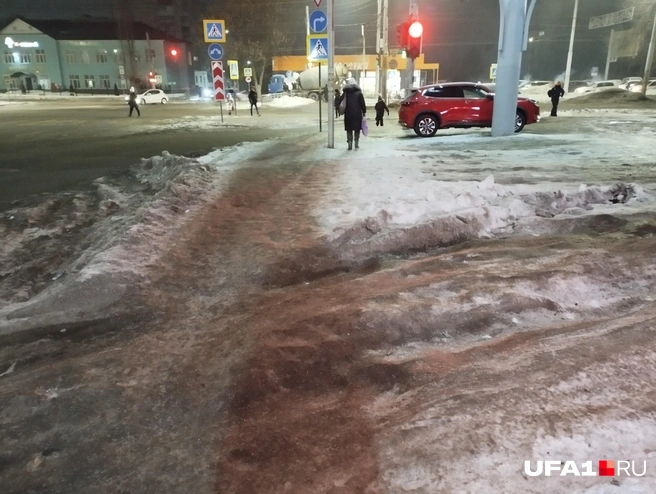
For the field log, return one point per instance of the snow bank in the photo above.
(288, 102)
(99, 242)
(399, 183)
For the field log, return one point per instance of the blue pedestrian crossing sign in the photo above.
(214, 30)
(215, 51)
(317, 48)
(318, 22)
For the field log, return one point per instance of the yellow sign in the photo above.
(493, 71)
(248, 72)
(233, 66)
(214, 31)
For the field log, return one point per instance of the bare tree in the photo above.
(258, 30)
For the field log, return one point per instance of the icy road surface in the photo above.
(417, 316)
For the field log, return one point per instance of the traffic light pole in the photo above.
(414, 13)
(331, 72)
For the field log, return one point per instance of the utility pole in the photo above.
(383, 79)
(650, 59)
(379, 45)
(570, 52)
(414, 13)
(610, 53)
(331, 72)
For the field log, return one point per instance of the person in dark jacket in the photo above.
(381, 108)
(355, 111)
(336, 103)
(555, 93)
(252, 99)
(132, 101)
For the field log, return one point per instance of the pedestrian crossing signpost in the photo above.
(317, 48)
(214, 31)
(234, 70)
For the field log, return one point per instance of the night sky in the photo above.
(460, 34)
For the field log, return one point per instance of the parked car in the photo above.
(637, 88)
(532, 84)
(152, 96)
(627, 81)
(599, 86)
(573, 85)
(457, 104)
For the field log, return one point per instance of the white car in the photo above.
(629, 81)
(637, 88)
(152, 96)
(598, 86)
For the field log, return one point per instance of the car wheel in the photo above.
(143, 101)
(520, 121)
(314, 96)
(426, 125)
(164, 101)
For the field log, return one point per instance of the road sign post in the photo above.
(214, 30)
(219, 87)
(215, 51)
(317, 48)
(318, 22)
(331, 72)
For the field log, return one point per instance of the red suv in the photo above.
(457, 104)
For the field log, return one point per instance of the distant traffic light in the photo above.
(415, 30)
(174, 52)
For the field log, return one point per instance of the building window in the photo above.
(74, 80)
(26, 57)
(9, 57)
(7, 80)
(150, 56)
(89, 81)
(104, 81)
(70, 57)
(101, 57)
(40, 56)
(85, 57)
(118, 58)
(137, 58)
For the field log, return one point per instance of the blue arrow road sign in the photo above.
(318, 21)
(215, 51)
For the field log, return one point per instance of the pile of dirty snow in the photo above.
(104, 239)
(289, 102)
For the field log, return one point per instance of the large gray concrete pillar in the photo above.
(512, 35)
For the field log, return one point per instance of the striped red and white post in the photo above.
(217, 76)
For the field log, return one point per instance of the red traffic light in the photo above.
(150, 74)
(174, 52)
(416, 30)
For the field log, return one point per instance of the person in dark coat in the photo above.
(252, 99)
(355, 111)
(132, 102)
(336, 103)
(381, 108)
(555, 93)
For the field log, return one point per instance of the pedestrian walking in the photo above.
(381, 108)
(230, 103)
(555, 93)
(132, 102)
(336, 103)
(252, 99)
(355, 110)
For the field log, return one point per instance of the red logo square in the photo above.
(606, 468)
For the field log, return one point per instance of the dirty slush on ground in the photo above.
(258, 358)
